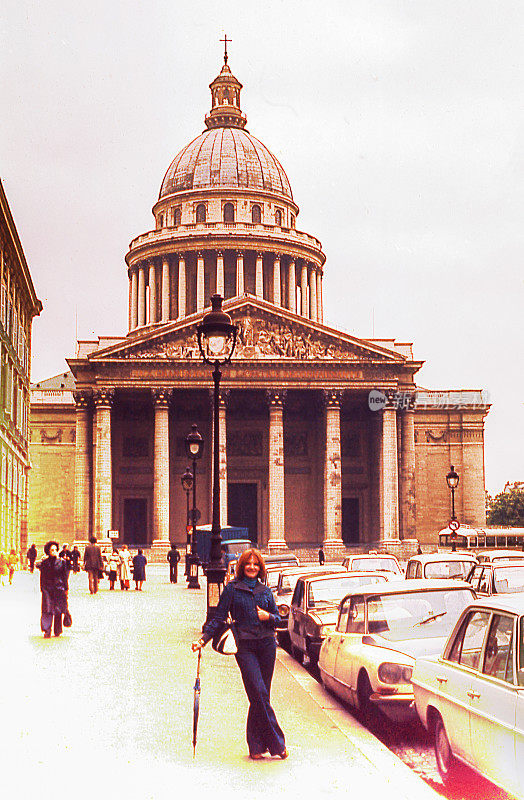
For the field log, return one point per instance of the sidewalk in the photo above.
(106, 709)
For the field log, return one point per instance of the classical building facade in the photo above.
(323, 439)
(19, 305)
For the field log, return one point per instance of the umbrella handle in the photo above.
(198, 662)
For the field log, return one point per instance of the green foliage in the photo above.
(507, 507)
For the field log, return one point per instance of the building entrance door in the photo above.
(135, 521)
(242, 507)
(350, 520)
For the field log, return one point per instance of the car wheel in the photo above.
(364, 692)
(297, 654)
(449, 768)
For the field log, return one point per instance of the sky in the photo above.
(399, 124)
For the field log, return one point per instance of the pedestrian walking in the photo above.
(173, 557)
(54, 576)
(12, 563)
(3, 567)
(124, 567)
(139, 569)
(65, 553)
(254, 613)
(114, 562)
(31, 557)
(75, 559)
(321, 557)
(93, 564)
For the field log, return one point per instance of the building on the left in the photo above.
(19, 305)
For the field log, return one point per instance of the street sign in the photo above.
(454, 525)
(113, 534)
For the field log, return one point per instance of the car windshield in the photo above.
(416, 615)
(509, 579)
(287, 584)
(371, 564)
(448, 569)
(519, 558)
(333, 590)
(272, 577)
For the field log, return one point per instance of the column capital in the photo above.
(332, 398)
(82, 399)
(103, 398)
(277, 256)
(240, 253)
(276, 397)
(220, 254)
(181, 256)
(200, 254)
(161, 397)
(392, 399)
(260, 255)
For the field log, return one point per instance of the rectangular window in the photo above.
(498, 655)
(14, 330)
(4, 306)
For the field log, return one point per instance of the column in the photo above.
(166, 281)
(220, 274)
(103, 479)
(130, 302)
(82, 466)
(141, 295)
(333, 471)
(276, 471)
(200, 283)
(277, 299)
(407, 470)
(292, 287)
(152, 292)
(222, 454)
(313, 294)
(181, 286)
(240, 274)
(389, 493)
(320, 315)
(134, 299)
(303, 290)
(259, 277)
(161, 466)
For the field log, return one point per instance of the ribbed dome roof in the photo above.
(229, 157)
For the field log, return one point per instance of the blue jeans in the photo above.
(256, 660)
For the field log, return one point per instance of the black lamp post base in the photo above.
(215, 583)
(192, 582)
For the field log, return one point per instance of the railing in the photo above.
(181, 231)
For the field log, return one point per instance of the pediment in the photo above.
(265, 334)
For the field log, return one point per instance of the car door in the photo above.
(493, 704)
(293, 620)
(349, 646)
(519, 727)
(330, 646)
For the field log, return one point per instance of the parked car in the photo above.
(368, 659)
(440, 565)
(500, 577)
(274, 568)
(314, 608)
(490, 556)
(373, 562)
(471, 698)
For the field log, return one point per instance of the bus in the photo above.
(482, 538)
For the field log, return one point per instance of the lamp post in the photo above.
(187, 485)
(452, 480)
(194, 448)
(216, 341)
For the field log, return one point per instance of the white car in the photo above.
(490, 556)
(367, 660)
(471, 698)
(373, 562)
(441, 565)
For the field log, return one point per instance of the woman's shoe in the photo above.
(47, 634)
(256, 756)
(283, 754)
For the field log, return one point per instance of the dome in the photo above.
(228, 157)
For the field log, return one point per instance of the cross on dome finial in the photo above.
(225, 40)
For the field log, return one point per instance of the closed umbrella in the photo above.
(196, 702)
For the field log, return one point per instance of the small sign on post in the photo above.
(113, 534)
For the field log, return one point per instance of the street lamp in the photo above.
(187, 485)
(453, 481)
(194, 448)
(216, 341)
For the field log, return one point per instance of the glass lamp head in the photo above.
(194, 444)
(452, 478)
(216, 334)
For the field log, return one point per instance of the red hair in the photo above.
(244, 558)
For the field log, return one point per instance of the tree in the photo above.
(507, 507)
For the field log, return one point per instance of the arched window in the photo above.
(278, 217)
(292, 220)
(256, 215)
(161, 221)
(177, 217)
(201, 212)
(229, 212)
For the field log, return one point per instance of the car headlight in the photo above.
(283, 610)
(394, 673)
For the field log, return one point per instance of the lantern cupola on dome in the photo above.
(225, 100)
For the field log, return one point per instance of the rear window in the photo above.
(333, 590)
(448, 569)
(387, 564)
(509, 579)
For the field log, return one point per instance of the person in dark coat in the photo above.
(254, 612)
(65, 552)
(173, 557)
(54, 576)
(139, 569)
(93, 564)
(321, 557)
(75, 559)
(31, 557)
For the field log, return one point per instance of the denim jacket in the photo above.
(241, 602)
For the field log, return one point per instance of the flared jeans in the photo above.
(256, 660)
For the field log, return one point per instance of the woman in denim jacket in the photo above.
(253, 610)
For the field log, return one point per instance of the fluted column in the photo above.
(161, 466)
(134, 299)
(220, 274)
(82, 466)
(240, 274)
(276, 470)
(303, 290)
(320, 314)
(166, 289)
(141, 295)
(333, 471)
(313, 294)
(389, 494)
(152, 292)
(181, 286)
(130, 304)
(277, 299)
(200, 283)
(103, 478)
(292, 287)
(407, 470)
(259, 276)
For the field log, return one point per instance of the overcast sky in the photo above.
(399, 124)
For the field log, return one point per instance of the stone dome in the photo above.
(229, 157)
